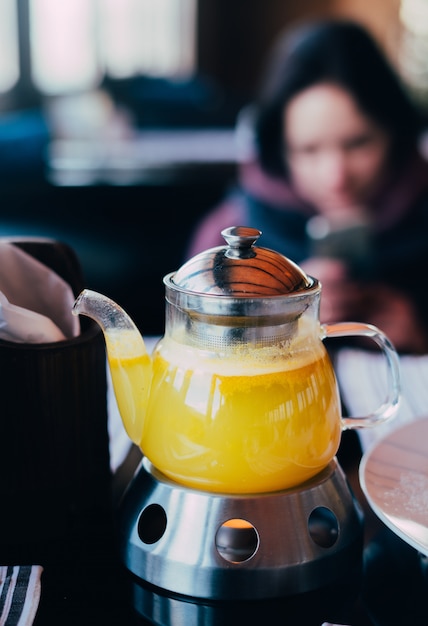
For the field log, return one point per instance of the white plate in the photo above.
(394, 478)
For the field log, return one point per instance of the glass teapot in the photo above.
(240, 395)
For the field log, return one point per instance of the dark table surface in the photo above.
(85, 584)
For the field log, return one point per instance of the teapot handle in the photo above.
(390, 407)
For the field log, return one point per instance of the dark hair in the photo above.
(342, 52)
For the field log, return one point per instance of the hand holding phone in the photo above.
(349, 242)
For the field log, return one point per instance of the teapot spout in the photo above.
(129, 362)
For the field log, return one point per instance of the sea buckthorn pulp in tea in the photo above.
(252, 421)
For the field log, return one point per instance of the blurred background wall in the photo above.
(234, 37)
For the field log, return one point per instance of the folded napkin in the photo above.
(19, 594)
(35, 302)
(362, 380)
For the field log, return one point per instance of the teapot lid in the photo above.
(241, 269)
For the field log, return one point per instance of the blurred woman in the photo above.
(337, 182)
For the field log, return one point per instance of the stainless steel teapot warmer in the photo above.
(209, 558)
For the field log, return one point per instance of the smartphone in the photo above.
(351, 243)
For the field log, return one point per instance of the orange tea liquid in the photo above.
(131, 373)
(237, 426)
